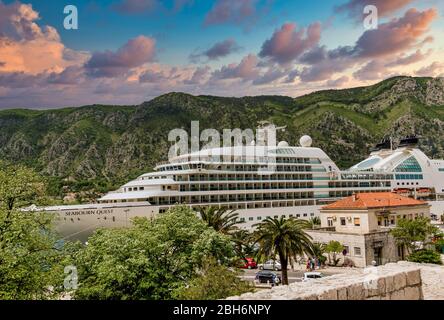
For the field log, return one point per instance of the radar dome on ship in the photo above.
(306, 141)
(283, 144)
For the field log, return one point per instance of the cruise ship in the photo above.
(290, 181)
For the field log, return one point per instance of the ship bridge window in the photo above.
(409, 165)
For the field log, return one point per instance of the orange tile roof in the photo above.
(374, 200)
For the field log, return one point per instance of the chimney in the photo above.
(354, 197)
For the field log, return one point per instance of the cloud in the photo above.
(199, 76)
(404, 60)
(340, 82)
(218, 50)
(375, 69)
(237, 12)
(389, 40)
(432, 70)
(355, 8)
(136, 6)
(27, 47)
(134, 53)
(271, 75)
(396, 35)
(70, 76)
(288, 43)
(247, 69)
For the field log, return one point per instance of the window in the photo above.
(305, 215)
(343, 223)
(357, 222)
(298, 216)
(250, 218)
(259, 218)
(346, 249)
(409, 165)
(330, 222)
(357, 251)
(276, 217)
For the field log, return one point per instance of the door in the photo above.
(378, 255)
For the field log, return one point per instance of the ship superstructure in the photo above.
(259, 182)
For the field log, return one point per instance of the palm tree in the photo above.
(220, 219)
(285, 237)
(314, 222)
(244, 244)
(318, 252)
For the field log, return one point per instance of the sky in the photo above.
(131, 51)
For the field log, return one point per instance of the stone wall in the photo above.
(394, 281)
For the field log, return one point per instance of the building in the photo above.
(362, 223)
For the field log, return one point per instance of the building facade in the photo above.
(362, 223)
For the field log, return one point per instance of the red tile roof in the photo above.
(374, 200)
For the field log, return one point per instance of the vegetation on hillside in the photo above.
(92, 149)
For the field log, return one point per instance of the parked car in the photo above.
(308, 276)
(249, 263)
(271, 265)
(269, 277)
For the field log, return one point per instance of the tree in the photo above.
(284, 237)
(314, 222)
(242, 241)
(333, 248)
(425, 256)
(151, 260)
(220, 219)
(411, 232)
(318, 252)
(214, 282)
(29, 254)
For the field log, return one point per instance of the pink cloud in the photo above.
(247, 69)
(134, 53)
(232, 11)
(27, 47)
(404, 60)
(218, 50)
(397, 35)
(432, 70)
(288, 43)
(337, 83)
(355, 8)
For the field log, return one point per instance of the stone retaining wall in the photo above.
(393, 281)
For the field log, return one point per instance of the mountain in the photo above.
(99, 147)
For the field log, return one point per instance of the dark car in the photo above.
(268, 277)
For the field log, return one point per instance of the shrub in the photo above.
(425, 256)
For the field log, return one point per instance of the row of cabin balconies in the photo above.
(242, 204)
(273, 177)
(357, 184)
(246, 186)
(230, 198)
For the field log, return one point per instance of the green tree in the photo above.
(29, 258)
(283, 237)
(319, 251)
(333, 248)
(220, 219)
(409, 232)
(151, 260)
(425, 256)
(214, 282)
(314, 222)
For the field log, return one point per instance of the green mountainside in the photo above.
(99, 147)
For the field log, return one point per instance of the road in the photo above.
(293, 276)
